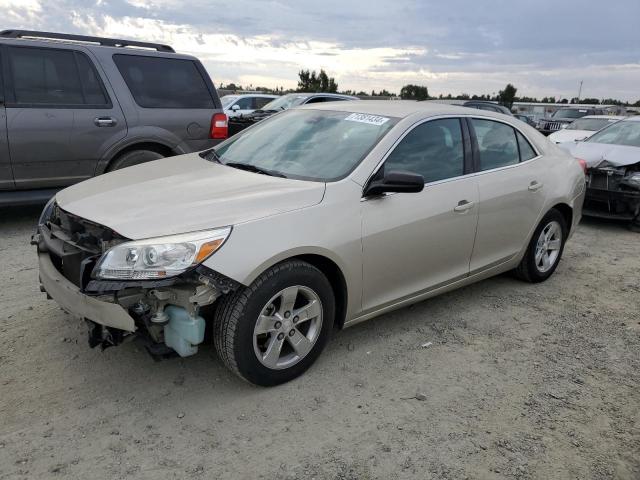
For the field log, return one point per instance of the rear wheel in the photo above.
(545, 249)
(134, 157)
(273, 330)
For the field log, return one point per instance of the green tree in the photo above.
(414, 92)
(507, 96)
(312, 82)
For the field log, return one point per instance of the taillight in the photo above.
(583, 164)
(219, 126)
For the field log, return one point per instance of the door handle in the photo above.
(104, 121)
(535, 186)
(463, 206)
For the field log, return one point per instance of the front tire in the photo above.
(545, 249)
(135, 157)
(273, 330)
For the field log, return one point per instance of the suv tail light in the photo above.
(219, 126)
(583, 164)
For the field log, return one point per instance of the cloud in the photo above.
(543, 47)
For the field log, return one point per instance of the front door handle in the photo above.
(463, 206)
(104, 121)
(535, 186)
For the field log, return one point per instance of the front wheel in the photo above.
(545, 249)
(273, 330)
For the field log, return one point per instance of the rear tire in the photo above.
(273, 330)
(134, 157)
(545, 249)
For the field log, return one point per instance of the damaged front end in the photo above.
(164, 312)
(613, 192)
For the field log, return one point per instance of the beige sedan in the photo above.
(319, 217)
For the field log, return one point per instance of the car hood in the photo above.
(569, 135)
(597, 153)
(183, 194)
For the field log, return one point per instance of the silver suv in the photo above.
(72, 107)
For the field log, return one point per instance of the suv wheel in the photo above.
(272, 331)
(545, 249)
(135, 157)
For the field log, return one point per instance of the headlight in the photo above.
(160, 257)
(46, 211)
(634, 179)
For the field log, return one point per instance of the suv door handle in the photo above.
(535, 186)
(104, 121)
(463, 206)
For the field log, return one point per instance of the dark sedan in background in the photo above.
(285, 102)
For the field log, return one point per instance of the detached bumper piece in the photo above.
(610, 196)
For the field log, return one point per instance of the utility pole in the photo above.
(580, 91)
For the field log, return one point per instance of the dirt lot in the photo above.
(519, 381)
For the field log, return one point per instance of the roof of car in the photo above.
(399, 108)
(607, 117)
(324, 94)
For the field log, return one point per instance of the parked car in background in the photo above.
(322, 216)
(612, 157)
(583, 128)
(564, 116)
(72, 107)
(526, 119)
(284, 102)
(478, 104)
(243, 104)
(487, 106)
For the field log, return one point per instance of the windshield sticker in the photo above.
(364, 118)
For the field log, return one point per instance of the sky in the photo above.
(544, 48)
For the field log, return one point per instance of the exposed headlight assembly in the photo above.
(46, 211)
(633, 179)
(161, 257)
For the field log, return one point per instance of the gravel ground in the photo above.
(516, 381)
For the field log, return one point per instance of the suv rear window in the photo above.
(157, 82)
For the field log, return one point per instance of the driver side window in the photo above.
(433, 149)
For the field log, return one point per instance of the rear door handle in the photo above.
(535, 186)
(104, 121)
(463, 206)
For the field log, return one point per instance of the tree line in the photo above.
(310, 81)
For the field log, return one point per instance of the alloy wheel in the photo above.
(288, 327)
(548, 247)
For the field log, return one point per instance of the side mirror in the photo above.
(396, 181)
(235, 108)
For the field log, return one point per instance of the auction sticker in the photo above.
(365, 118)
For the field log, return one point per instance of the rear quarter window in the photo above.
(157, 82)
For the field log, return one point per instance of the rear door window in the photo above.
(48, 76)
(157, 82)
(497, 144)
(44, 76)
(261, 101)
(92, 87)
(526, 150)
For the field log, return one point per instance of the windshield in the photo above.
(319, 145)
(286, 102)
(228, 100)
(569, 113)
(620, 133)
(591, 124)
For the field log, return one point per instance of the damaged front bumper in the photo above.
(610, 195)
(166, 313)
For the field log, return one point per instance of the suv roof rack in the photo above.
(107, 42)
